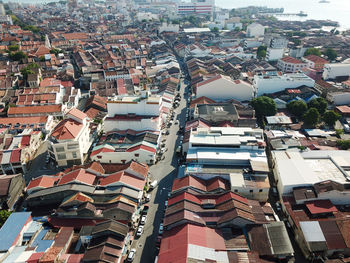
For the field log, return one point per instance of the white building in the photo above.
(301, 169)
(134, 112)
(224, 88)
(70, 140)
(334, 70)
(255, 30)
(272, 82)
(200, 7)
(165, 27)
(130, 145)
(273, 54)
(290, 65)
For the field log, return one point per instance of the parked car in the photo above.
(139, 231)
(131, 255)
(148, 197)
(166, 203)
(153, 185)
(143, 220)
(176, 122)
(145, 209)
(161, 229)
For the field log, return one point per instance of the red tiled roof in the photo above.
(42, 181)
(316, 59)
(321, 206)
(23, 120)
(15, 156)
(292, 60)
(78, 176)
(34, 109)
(77, 113)
(343, 109)
(125, 178)
(142, 147)
(101, 150)
(48, 82)
(121, 87)
(25, 140)
(184, 196)
(201, 100)
(67, 129)
(174, 245)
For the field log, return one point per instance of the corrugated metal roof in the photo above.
(279, 238)
(11, 229)
(312, 231)
(334, 238)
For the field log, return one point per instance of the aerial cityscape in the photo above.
(153, 131)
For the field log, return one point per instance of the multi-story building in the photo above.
(271, 82)
(336, 70)
(255, 30)
(70, 139)
(200, 7)
(134, 112)
(290, 65)
(315, 62)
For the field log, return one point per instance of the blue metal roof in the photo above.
(11, 229)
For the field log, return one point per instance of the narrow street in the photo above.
(164, 172)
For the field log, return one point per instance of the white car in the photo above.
(139, 231)
(131, 255)
(176, 122)
(166, 203)
(143, 220)
(161, 229)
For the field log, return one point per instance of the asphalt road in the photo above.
(164, 172)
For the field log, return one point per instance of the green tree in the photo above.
(343, 144)
(261, 52)
(311, 117)
(313, 51)
(264, 106)
(331, 54)
(330, 117)
(13, 48)
(28, 70)
(297, 108)
(17, 56)
(215, 29)
(55, 51)
(4, 214)
(320, 104)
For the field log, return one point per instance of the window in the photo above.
(74, 154)
(250, 191)
(59, 149)
(236, 190)
(137, 155)
(260, 190)
(61, 156)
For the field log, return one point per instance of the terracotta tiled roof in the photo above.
(316, 59)
(42, 181)
(34, 109)
(78, 176)
(77, 113)
(292, 60)
(67, 130)
(124, 178)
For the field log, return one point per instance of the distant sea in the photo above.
(335, 10)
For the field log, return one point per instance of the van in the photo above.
(153, 185)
